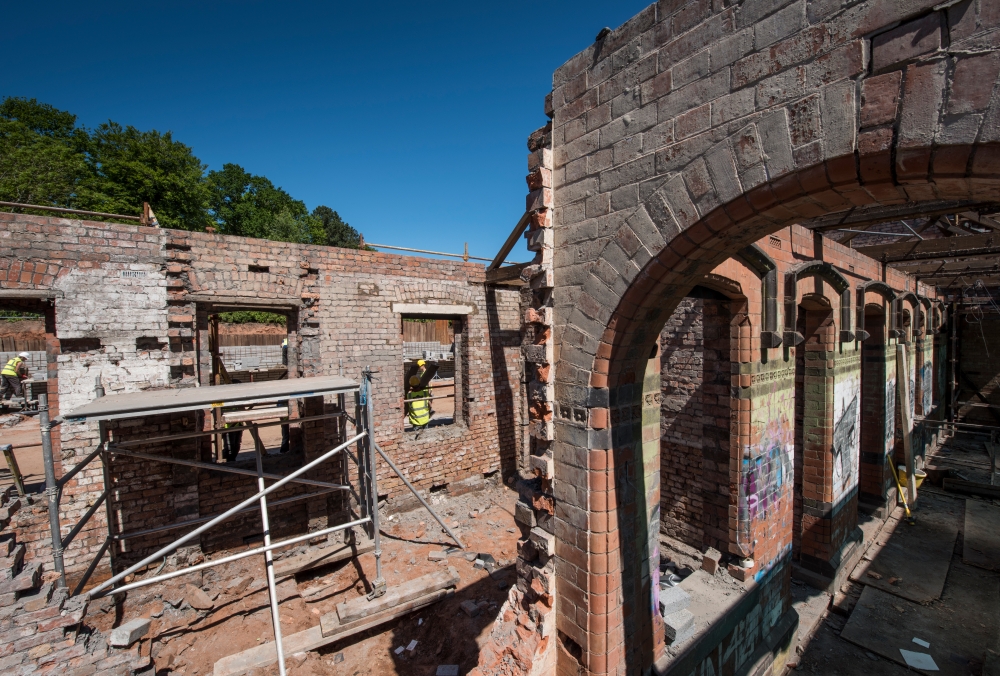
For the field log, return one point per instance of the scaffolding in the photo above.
(364, 488)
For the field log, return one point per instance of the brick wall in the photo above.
(131, 307)
(695, 423)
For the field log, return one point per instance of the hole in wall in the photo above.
(72, 345)
(148, 343)
(258, 268)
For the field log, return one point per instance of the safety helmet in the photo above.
(421, 362)
(23, 355)
(414, 381)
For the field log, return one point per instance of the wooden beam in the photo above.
(515, 235)
(510, 275)
(361, 607)
(930, 249)
(883, 214)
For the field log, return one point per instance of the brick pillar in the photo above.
(878, 397)
(814, 434)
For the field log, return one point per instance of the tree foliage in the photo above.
(335, 230)
(129, 167)
(46, 159)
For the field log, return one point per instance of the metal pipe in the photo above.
(443, 396)
(419, 497)
(236, 428)
(59, 210)
(96, 592)
(106, 471)
(193, 522)
(219, 468)
(82, 522)
(93, 566)
(51, 487)
(225, 515)
(378, 585)
(424, 251)
(272, 589)
(80, 465)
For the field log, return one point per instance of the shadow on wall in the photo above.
(503, 389)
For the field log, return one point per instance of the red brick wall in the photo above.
(695, 423)
(131, 309)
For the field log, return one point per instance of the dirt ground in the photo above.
(189, 641)
(27, 441)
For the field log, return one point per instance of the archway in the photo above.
(660, 175)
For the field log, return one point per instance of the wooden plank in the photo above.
(508, 275)
(313, 638)
(512, 238)
(972, 488)
(361, 607)
(981, 538)
(314, 558)
(333, 629)
(264, 655)
(903, 397)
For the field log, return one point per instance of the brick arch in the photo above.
(887, 294)
(683, 136)
(647, 297)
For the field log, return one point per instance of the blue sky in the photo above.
(410, 119)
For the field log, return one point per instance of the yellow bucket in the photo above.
(919, 473)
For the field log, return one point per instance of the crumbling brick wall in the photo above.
(131, 306)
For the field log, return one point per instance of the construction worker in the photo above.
(419, 412)
(231, 441)
(14, 371)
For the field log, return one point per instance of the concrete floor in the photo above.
(965, 619)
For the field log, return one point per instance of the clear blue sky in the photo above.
(410, 119)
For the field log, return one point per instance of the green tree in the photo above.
(129, 167)
(41, 159)
(336, 232)
(251, 206)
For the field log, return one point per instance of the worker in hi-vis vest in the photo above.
(14, 371)
(419, 412)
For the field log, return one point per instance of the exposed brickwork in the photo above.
(41, 627)
(695, 422)
(691, 131)
(131, 307)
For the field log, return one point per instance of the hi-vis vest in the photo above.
(419, 411)
(11, 368)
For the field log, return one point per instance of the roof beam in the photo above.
(931, 249)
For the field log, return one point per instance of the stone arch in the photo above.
(829, 274)
(755, 259)
(884, 290)
(911, 298)
(664, 165)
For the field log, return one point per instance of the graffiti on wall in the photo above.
(766, 470)
(926, 385)
(846, 435)
(890, 417)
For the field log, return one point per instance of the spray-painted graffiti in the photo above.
(846, 435)
(890, 415)
(766, 471)
(926, 385)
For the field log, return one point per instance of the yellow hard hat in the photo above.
(414, 381)
(420, 362)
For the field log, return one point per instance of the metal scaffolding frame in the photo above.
(365, 492)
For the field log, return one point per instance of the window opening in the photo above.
(431, 379)
(248, 347)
